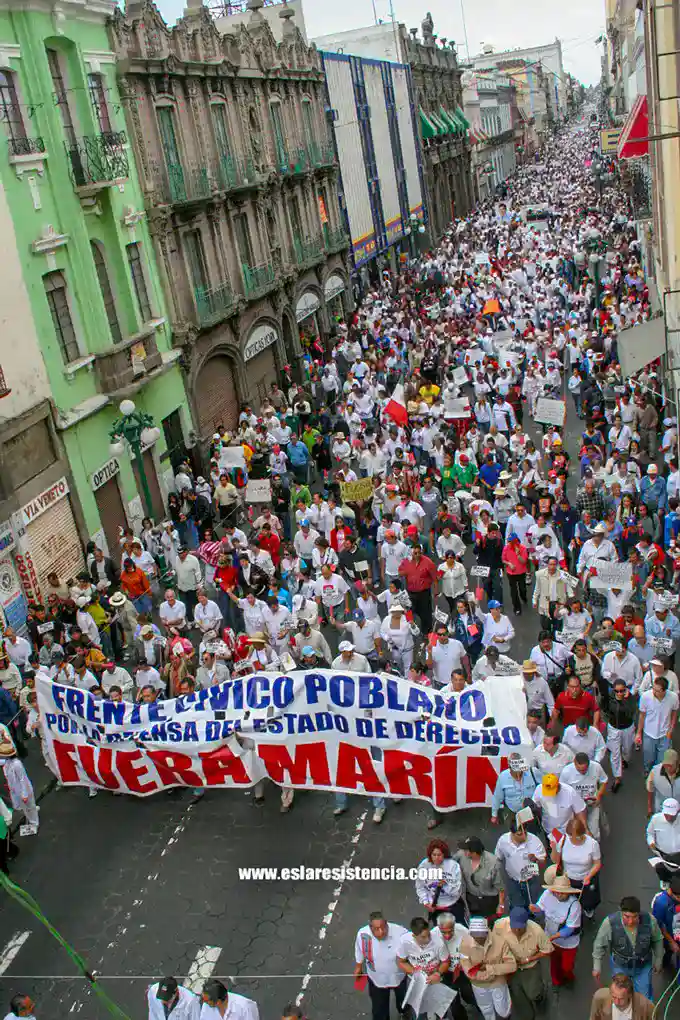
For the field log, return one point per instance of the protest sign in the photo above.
(434, 311)
(611, 575)
(258, 490)
(479, 571)
(474, 356)
(460, 376)
(355, 492)
(482, 259)
(232, 456)
(458, 408)
(374, 734)
(550, 412)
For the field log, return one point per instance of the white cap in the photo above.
(670, 806)
(346, 646)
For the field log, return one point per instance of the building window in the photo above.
(193, 249)
(279, 134)
(308, 122)
(242, 232)
(134, 255)
(57, 299)
(61, 96)
(221, 129)
(95, 84)
(107, 293)
(166, 126)
(10, 110)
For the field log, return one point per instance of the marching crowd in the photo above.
(430, 396)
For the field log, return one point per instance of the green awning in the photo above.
(462, 118)
(444, 128)
(449, 120)
(427, 128)
(459, 122)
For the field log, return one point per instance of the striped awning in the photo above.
(633, 141)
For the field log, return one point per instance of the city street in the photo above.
(143, 887)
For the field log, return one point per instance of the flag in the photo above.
(396, 406)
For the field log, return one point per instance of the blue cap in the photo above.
(304, 523)
(308, 650)
(512, 536)
(519, 917)
(358, 615)
(494, 604)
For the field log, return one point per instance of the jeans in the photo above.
(143, 604)
(377, 802)
(640, 976)
(652, 751)
(519, 895)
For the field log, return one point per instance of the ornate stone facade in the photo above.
(238, 167)
(437, 83)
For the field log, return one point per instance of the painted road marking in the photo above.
(202, 968)
(11, 949)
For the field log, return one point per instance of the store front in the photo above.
(307, 318)
(50, 540)
(216, 397)
(333, 290)
(259, 356)
(105, 486)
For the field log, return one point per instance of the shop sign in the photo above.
(105, 472)
(28, 575)
(307, 305)
(31, 511)
(7, 539)
(258, 341)
(12, 599)
(609, 140)
(333, 286)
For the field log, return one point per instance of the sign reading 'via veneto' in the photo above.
(260, 338)
(36, 507)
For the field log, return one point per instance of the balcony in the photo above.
(124, 368)
(174, 184)
(235, 173)
(26, 146)
(335, 239)
(214, 304)
(259, 280)
(97, 162)
(291, 161)
(308, 251)
(322, 155)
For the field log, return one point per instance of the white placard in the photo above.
(232, 456)
(611, 575)
(258, 490)
(550, 412)
(458, 408)
(482, 259)
(460, 376)
(479, 571)
(475, 356)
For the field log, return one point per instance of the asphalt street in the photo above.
(147, 887)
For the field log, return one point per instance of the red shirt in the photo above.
(271, 543)
(419, 576)
(572, 709)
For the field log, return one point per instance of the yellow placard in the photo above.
(609, 140)
(355, 492)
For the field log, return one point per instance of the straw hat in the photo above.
(7, 748)
(561, 884)
(117, 599)
(257, 638)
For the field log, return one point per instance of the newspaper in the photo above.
(434, 1000)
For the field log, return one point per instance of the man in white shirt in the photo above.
(148, 676)
(550, 657)
(172, 612)
(349, 660)
(218, 1003)
(538, 694)
(365, 635)
(663, 835)
(375, 955)
(169, 1000)
(332, 592)
(445, 656)
(207, 614)
(520, 522)
(117, 676)
(18, 648)
(656, 722)
(589, 779)
(582, 737)
(620, 664)
(189, 578)
(392, 554)
(558, 804)
(305, 540)
(551, 756)
(521, 853)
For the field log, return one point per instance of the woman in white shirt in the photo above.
(561, 909)
(444, 895)
(498, 630)
(578, 856)
(397, 633)
(453, 579)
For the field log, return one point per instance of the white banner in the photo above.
(550, 412)
(372, 734)
(611, 575)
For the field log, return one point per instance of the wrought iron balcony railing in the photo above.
(26, 146)
(308, 250)
(236, 172)
(335, 238)
(322, 155)
(259, 279)
(214, 303)
(98, 161)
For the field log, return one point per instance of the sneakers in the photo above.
(378, 815)
(616, 785)
(433, 823)
(92, 792)
(339, 811)
(518, 612)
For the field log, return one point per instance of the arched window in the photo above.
(10, 110)
(107, 293)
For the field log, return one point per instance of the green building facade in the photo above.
(88, 262)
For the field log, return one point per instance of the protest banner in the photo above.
(482, 259)
(231, 457)
(356, 492)
(474, 356)
(258, 490)
(460, 376)
(551, 412)
(374, 734)
(611, 575)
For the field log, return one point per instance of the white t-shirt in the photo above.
(331, 590)
(657, 713)
(587, 785)
(393, 555)
(578, 860)
(253, 615)
(446, 658)
(452, 946)
(172, 614)
(558, 810)
(515, 856)
(379, 956)
(426, 958)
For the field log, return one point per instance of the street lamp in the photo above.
(133, 430)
